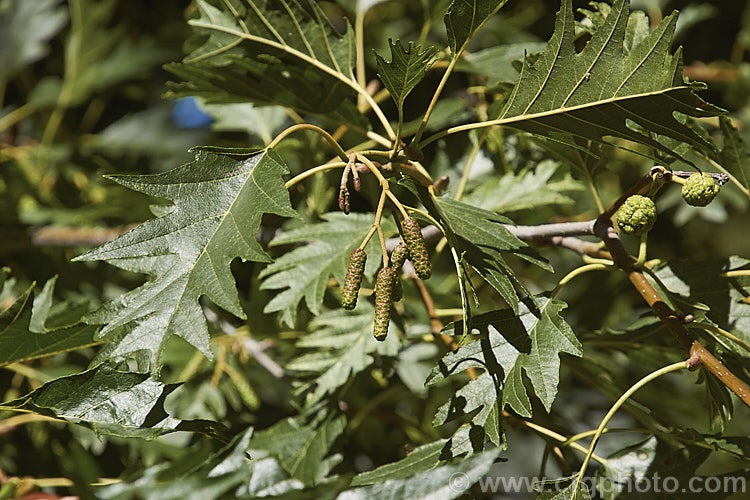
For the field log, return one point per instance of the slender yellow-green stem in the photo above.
(606, 430)
(736, 274)
(561, 439)
(377, 138)
(22, 419)
(577, 272)
(309, 60)
(645, 380)
(467, 168)
(376, 223)
(587, 259)
(64, 482)
(435, 97)
(375, 170)
(397, 203)
(454, 59)
(383, 248)
(677, 180)
(15, 116)
(592, 186)
(307, 126)
(734, 180)
(720, 331)
(359, 35)
(448, 312)
(25, 370)
(642, 250)
(312, 171)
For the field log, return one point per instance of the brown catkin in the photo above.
(353, 279)
(412, 235)
(383, 301)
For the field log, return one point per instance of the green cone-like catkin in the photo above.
(398, 292)
(383, 301)
(353, 279)
(412, 235)
(399, 255)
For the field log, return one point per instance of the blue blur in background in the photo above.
(187, 113)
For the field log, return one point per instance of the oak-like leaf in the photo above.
(218, 201)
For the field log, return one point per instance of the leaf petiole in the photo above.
(307, 126)
(680, 365)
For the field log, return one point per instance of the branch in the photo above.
(548, 231)
(669, 318)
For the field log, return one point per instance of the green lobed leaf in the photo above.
(702, 282)
(653, 459)
(734, 155)
(524, 190)
(464, 18)
(627, 464)
(605, 90)
(340, 345)
(228, 473)
(111, 402)
(303, 448)
(270, 52)
(594, 18)
(565, 488)
(482, 239)
(509, 346)
(421, 459)
(439, 482)
(497, 63)
(219, 200)
(303, 272)
(23, 335)
(405, 70)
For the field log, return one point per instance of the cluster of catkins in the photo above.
(387, 284)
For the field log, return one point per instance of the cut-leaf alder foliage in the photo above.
(607, 91)
(24, 336)
(339, 346)
(734, 155)
(439, 482)
(465, 18)
(480, 236)
(111, 402)
(405, 70)
(218, 202)
(508, 347)
(303, 273)
(271, 52)
(285, 341)
(303, 447)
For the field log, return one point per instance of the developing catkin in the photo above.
(412, 235)
(383, 301)
(399, 255)
(353, 279)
